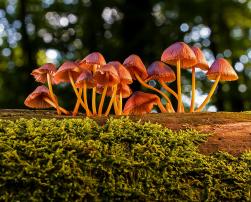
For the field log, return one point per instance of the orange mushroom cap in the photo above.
(134, 64)
(140, 103)
(94, 58)
(62, 73)
(40, 74)
(161, 72)
(35, 99)
(179, 51)
(223, 68)
(201, 60)
(124, 89)
(107, 75)
(85, 76)
(124, 74)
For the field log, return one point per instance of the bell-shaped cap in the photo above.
(87, 78)
(40, 74)
(201, 60)
(133, 63)
(124, 89)
(161, 72)
(62, 74)
(223, 68)
(140, 103)
(124, 74)
(107, 75)
(94, 58)
(36, 98)
(179, 51)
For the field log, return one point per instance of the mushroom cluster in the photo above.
(113, 80)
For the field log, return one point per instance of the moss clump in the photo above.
(76, 159)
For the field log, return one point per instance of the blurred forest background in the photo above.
(33, 32)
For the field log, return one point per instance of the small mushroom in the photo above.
(93, 62)
(84, 81)
(40, 99)
(142, 103)
(138, 72)
(181, 55)
(220, 70)
(125, 79)
(203, 65)
(107, 76)
(69, 72)
(45, 74)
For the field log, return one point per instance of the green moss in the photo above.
(76, 159)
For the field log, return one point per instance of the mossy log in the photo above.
(231, 131)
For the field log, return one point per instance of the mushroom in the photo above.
(125, 79)
(142, 103)
(181, 55)
(93, 61)
(162, 73)
(138, 72)
(202, 64)
(107, 76)
(69, 72)
(40, 99)
(219, 70)
(84, 81)
(44, 74)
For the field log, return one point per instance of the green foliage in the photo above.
(76, 159)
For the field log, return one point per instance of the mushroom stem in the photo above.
(52, 94)
(161, 107)
(112, 100)
(102, 100)
(75, 111)
(94, 108)
(120, 103)
(85, 95)
(168, 89)
(77, 94)
(193, 90)
(116, 107)
(179, 86)
(209, 94)
(152, 88)
(54, 105)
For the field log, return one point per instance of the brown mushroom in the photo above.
(69, 72)
(138, 72)
(40, 99)
(181, 55)
(45, 74)
(203, 65)
(84, 81)
(142, 103)
(219, 70)
(107, 76)
(125, 79)
(93, 62)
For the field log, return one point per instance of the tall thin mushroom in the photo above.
(141, 103)
(181, 55)
(138, 72)
(220, 70)
(125, 79)
(40, 99)
(107, 76)
(93, 62)
(203, 65)
(69, 72)
(45, 74)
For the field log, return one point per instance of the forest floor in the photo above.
(230, 131)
